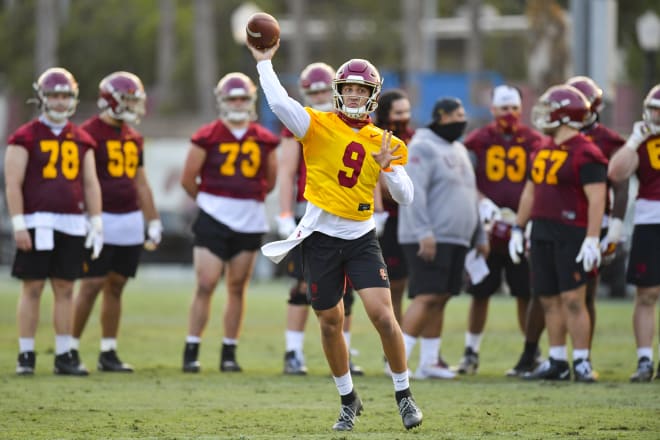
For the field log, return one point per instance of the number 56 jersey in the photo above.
(53, 175)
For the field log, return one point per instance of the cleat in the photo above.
(68, 364)
(25, 363)
(440, 370)
(190, 362)
(526, 365)
(228, 362)
(294, 365)
(644, 371)
(411, 415)
(348, 415)
(469, 363)
(583, 371)
(356, 370)
(109, 361)
(550, 370)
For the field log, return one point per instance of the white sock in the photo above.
(62, 344)
(400, 380)
(190, 339)
(558, 353)
(473, 340)
(645, 352)
(347, 338)
(582, 353)
(25, 344)
(294, 341)
(75, 343)
(344, 384)
(108, 344)
(229, 341)
(428, 351)
(409, 342)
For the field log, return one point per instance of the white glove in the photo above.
(516, 243)
(489, 211)
(94, 238)
(614, 232)
(589, 254)
(639, 133)
(380, 218)
(154, 234)
(285, 225)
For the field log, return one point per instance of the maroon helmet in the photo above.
(357, 71)
(317, 77)
(652, 109)
(591, 91)
(56, 80)
(561, 105)
(122, 96)
(236, 85)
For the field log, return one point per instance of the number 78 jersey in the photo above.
(341, 173)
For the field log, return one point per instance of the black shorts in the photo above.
(644, 263)
(516, 275)
(220, 239)
(65, 261)
(328, 263)
(441, 276)
(392, 251)
(119, 259)
(554, 269)
(294, 263)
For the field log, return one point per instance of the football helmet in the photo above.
(56, 81)
(122, 96)
(236, 85)
(317, 77)
(357, 71)
(592, 92)
(652, 109)
(561, 105)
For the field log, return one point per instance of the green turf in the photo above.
(160, 402)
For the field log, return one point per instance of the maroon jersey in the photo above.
(648, 171)
(502, 159)
(556, 173)
(54, 172)
(301, 174)
(389, 205)
(233, 167)
(119, 154)
(608, 141)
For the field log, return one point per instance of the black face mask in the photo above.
(449, 132)
(398, 127)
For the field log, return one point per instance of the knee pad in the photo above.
(297, 298)
(349, 298)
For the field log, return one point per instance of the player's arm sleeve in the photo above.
(288, 110)
(399, 184)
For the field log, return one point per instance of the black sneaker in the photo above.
(644, 371)
(469, 362)
(348, 415)
(25, 363)
(526, 364)
(109, 361)
(228, 362)
(190, 362)
(411, 415)
(356, 370)
(293, 365)
(583, 371)
(68, 364)
(550, 370)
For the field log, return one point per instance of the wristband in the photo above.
(96, 222)
(18, 223)
(155, 223)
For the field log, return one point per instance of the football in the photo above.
(262, 30)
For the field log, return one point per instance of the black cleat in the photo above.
(228, 362)
(293, 365)
(25, 363)
(68, 364)
(583, 371)
(550, 370)
(348, 415)
(644, 371)
(190, 362)
(109, 361)
(411, 415)
(469, 362)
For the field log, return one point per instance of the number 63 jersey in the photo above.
(53, 175)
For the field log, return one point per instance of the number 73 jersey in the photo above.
(118, 156)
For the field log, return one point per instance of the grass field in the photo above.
(160, 402)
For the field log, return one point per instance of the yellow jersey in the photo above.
(341, 172)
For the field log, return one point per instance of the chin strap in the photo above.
(355, 123)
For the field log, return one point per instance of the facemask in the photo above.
(449, 132)
(398, 127)
(508, 122)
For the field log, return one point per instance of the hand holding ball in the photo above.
(262, 31)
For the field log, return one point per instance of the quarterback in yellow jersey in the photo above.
(345, 154)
